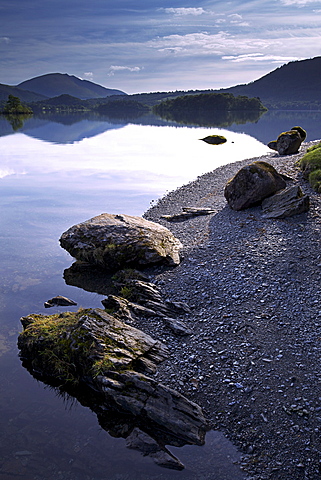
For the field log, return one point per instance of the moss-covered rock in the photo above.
(72, 346)
(103, 362)
(214, 139)
(252, 184)
(289, 142)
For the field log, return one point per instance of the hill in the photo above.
(55, 84)
(24, 95)
(293, 85)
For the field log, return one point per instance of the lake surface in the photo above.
(55, 173)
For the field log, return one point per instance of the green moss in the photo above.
(315, 180)
(314, 147)
(257, 167)
(302, 132)
(126, 292)
(101, 366)
(310, 164)
(66, 352)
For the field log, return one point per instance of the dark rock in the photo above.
(177, 326)
(288, 202)
(59, 301)
(188, 212)
(119, 241)
(144, 299)
(214, 139)
(273, 145)
(252, 184)
(126, 310)
(289, 142)
(143, 396)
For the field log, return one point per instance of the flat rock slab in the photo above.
(290, 201)
(120, 241)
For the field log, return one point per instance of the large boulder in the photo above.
(290, 201)
(252, 184)
(119, 241)
(289, 142)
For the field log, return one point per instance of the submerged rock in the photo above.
(120, 241)
(252, 184)
(104, 363)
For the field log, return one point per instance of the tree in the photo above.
(14, 106)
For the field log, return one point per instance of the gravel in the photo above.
(253, 359)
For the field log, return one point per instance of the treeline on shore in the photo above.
(181, 108)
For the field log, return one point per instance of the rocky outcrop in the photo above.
(119, 241)
(289, 142)
(288, 202)
(214, 139)
(142, 298)
(252, 184)
(105, 364)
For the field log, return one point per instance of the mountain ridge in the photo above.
(55, 84)
(294, 82)
(294, 85)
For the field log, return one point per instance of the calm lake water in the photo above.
(58, 172)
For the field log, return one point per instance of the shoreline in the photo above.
(252, 362)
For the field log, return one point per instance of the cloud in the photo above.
(299, 3)
(119, 68)
(185, 11)
(235, 16)
(259, 57)
(89, 75)
(204, 44)
(4, 40)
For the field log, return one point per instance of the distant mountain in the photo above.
(24, 95)
(64, 99)
(293, 84)
(55, 84)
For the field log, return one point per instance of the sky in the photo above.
(156, 45)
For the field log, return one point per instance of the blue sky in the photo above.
(143, 46)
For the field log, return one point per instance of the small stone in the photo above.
(60, 301)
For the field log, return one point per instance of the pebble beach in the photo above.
(253, 285)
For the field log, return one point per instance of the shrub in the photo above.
(310, 161)
(315, 180)
(310, 164)
(314, 147)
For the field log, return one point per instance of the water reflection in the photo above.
(47, 186)
(63, 128)
(220, 119)
(17, 121)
